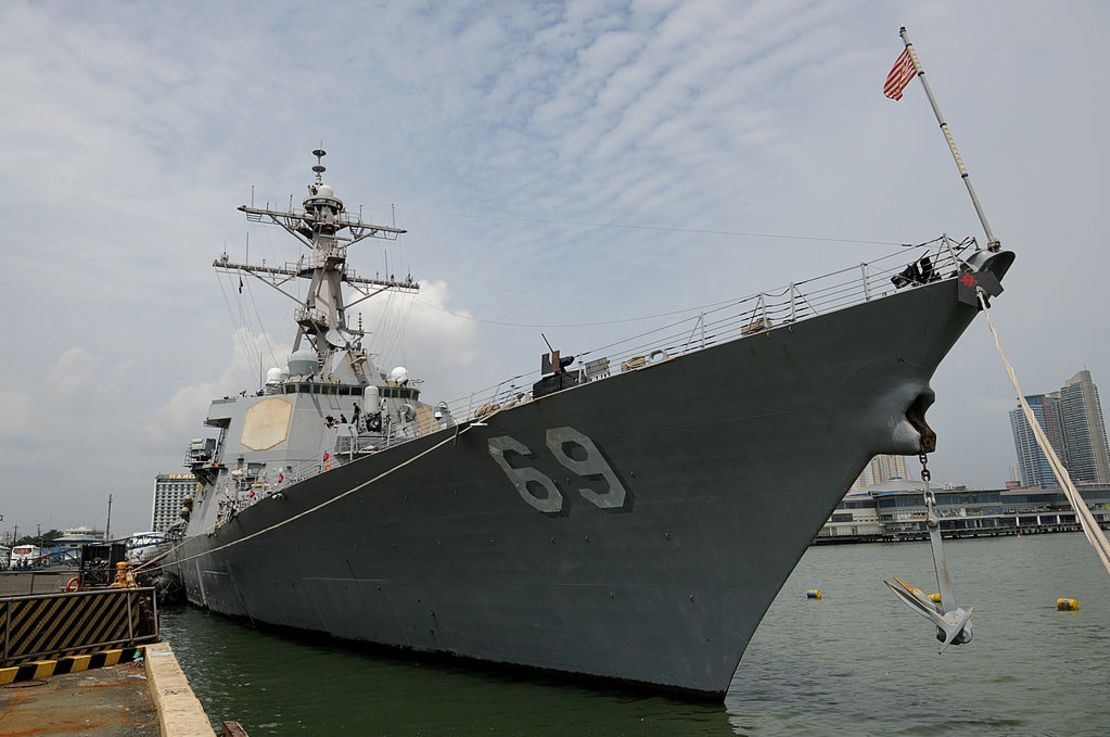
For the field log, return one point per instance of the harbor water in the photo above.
(856, 662)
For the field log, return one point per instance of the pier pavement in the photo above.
(106, 702)
(147, 698)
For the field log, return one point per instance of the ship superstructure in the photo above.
(630, 519)
(331, 403)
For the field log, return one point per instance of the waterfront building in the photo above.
(169, 490)
(66, 548)
(1072, 420)
(896, 511)
(75, 537)
(856, 517)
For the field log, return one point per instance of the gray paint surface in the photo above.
(731, 458)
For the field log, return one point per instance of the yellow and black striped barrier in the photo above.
(46, 626)
(41, 669)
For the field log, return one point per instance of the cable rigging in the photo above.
(663, 228)
(261, 328)
(236, 326)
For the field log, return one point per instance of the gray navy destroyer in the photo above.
(629, 516)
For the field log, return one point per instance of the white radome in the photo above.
(302, 363)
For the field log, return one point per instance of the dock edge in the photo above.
(180, 713)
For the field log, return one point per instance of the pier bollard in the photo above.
(814, 594)
(125, 579)
(1067, 605)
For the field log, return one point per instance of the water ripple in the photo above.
(855, 663)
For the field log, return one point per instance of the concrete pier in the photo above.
(106, 702)
(140, 698)
(179, 711)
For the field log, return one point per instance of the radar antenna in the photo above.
(325, 227)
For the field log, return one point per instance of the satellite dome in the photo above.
(274, 376)
(399, 375)
(303, 363)
(325, 190)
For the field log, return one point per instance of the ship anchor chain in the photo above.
(953, 623)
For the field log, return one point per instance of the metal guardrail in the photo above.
(715, 324)
(50, 625)
(735, 319)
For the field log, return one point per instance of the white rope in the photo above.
(146, 566)
(1090, 526)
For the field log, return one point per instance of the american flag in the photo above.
(900, 75)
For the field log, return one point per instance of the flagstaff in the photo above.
(897, 80)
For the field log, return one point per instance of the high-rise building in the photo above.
(881, 469)
(1072, 420)
(1032, 463)
(169, 490)
(1084, 431)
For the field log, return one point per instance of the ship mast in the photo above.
(327, 230)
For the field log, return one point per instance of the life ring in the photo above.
(73, 584)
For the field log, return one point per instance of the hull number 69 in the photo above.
(575, 452)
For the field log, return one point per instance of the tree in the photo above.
(42, 540)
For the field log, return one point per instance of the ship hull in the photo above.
(731, 458)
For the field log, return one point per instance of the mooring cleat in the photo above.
(953, 628)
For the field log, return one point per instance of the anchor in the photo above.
(953, 624)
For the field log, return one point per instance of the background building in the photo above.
(169, 490)
(1072, 420)
(896, 511)
(1083, 430)
(1032, 463)
(882, 469)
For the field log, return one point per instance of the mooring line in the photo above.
(1090, 526)
(146, 567)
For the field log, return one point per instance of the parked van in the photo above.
(24, 556)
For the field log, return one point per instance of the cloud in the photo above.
(15, 411)
(75, 369)
(423, 332)
(133, 144)
(181, 416)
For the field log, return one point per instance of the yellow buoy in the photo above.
(814, 594)
(935, 598)
(1067, 605)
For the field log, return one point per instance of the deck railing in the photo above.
(714, 324)
(743, 317)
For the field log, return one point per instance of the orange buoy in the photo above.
(73, 584)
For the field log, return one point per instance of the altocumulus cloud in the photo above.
(134, 131)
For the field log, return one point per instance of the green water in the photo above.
(855, 663)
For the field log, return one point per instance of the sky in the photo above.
(555, 164)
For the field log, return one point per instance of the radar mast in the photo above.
(324, 226)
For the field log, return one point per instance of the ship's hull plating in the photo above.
(732, 458)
